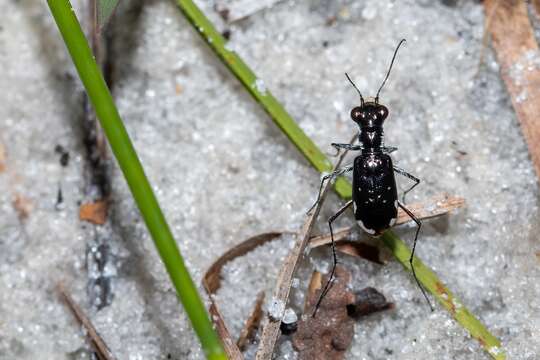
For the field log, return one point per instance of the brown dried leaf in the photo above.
(368, 301)
(252, 323)
(23, 206)
(516, 47)
(95, 213)
(212, 282)
(536, 7)
(315, 284)
(178, 89)
(360, 249)
(329, 334)
(2, 158)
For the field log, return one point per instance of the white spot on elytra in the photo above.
(354, 207)
(392, 221)
(361, 224)
(396, 204)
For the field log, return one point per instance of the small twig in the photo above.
(232, 351)
(99, 345)
(436, 206)
(252, 323)
(282, 290)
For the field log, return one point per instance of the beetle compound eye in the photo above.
(382, 112)
(357, 113)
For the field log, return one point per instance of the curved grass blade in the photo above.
(314, 155)
(128, 161)
(257, 89)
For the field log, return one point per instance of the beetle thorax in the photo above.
(371, 138)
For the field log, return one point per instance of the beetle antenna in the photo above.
(389, 69)
(359, 93)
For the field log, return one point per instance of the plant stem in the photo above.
(132, 169)
(314, 155)
(257, 89)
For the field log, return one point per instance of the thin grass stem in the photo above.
(128, 161)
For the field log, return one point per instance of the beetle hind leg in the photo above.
(331, 277)
(418, 227)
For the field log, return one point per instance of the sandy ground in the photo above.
(223, 172)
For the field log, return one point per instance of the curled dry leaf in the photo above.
(252, 323)
(212, 282)
(95, 213)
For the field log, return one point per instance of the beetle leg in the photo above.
(338, 172)
(328, 283)
(419, 225)
(407, 175)
(346, 146)
(389, 149)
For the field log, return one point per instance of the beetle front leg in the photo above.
(409, 176)
(333, 174)
(347, 147)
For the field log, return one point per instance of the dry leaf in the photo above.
(23, 206)
(360, 249)
(2, 158)
(178, 89)
(95, 213)
(368, 301)
(252, 323)
(515, 44)
(212, 282)
(328, 334)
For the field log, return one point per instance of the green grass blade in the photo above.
(314, 155)
(257, 89)
(133, 172)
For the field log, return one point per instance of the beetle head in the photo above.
(369, 115)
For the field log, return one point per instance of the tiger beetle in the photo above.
(374, 196)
